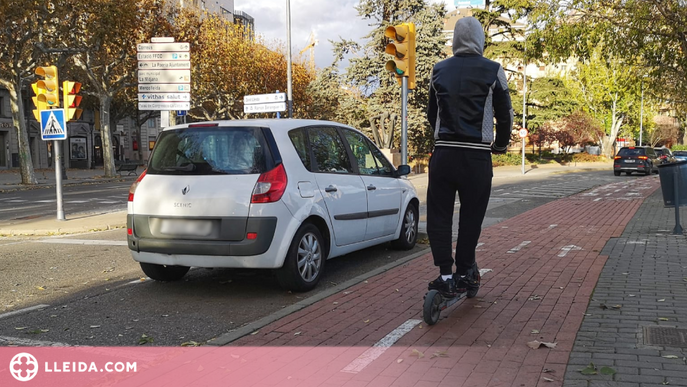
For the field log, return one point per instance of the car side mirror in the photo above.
(402, 170)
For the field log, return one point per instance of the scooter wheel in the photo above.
(431, 311)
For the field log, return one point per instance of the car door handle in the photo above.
(331, 188)
(371, 187)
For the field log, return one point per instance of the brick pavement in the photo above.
(537, 291)
(646, 274)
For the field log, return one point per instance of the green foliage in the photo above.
(506, 159)
(679, 147)
(587, 158)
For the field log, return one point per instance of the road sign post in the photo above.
(54, 127)
(264, 103)
(523, 133)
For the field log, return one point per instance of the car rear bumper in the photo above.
(142, 240)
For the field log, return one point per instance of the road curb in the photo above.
(229, 337)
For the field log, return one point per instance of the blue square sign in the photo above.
(53, 125)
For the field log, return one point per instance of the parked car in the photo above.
(680, 155)
(270, 194)
(636, 159)
(665, 155)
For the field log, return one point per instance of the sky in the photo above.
(328, 19)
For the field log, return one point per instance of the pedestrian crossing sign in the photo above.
(53, 125)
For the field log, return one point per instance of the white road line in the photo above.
(25, 310)
(380, 347)
(84, 242)
(46, 201)
(77, 201)
(30, 343)
(518, 247)
(566, 249)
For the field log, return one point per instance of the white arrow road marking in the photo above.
(380, 347)
(566, 249)
(518, 247)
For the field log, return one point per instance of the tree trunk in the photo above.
(616, 122)
(106, 136)
(17, 107)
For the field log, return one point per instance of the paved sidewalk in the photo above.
(545, 265)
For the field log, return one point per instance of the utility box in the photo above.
(673, 174)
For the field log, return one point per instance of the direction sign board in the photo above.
(163, 56)
(265, 107)
(164, 97)
(162, 39)
(155, 47)
(164, 88)
(164, 76)
(264, 98)
(53, 125)
(164, 65)
(164, 105)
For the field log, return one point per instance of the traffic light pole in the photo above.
(58, 178)
(404, 121)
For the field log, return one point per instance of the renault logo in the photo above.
(185, 190)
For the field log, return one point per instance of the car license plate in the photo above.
(186, 227)
(629, 161)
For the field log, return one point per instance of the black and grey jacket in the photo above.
(466, 92)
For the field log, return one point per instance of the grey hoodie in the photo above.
(467, 91)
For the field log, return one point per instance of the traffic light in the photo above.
(403, 50)
(39, 104)
(72, 100)
(49, 87)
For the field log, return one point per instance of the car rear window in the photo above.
(209, 151)
(632, 152)
(680, 153)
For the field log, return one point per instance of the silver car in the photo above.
(271, 194)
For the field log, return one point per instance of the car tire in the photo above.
(408, 236)
(616, 173)
(304, 262)
(648, 172)
(164, 272)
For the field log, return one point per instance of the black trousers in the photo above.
(468, 172)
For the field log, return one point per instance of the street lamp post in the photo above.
(289, 98)
(524, 102)
(641, 114)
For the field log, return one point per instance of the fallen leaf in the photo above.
(603, 306)
(662, 300)
(534, 331)
(547, 371)
(95, 326)
(335, 303)
(548, 379)
(617, 306)
(417, 353)
(40, 288)
(190, 344)
(145, 339)
(590, 370)
(671, 357)
(297, 334)
(439, 354)
(20, 328)
(534, 298)
(399, 361)
(663, 319)
(607, 371)
(632, 295)
(254, 333)
(396, 289)
(366, 321)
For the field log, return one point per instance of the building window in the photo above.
(151, 122)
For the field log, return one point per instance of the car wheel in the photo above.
(304, 262)
(408, 237)
(164, 272)
(617, 173)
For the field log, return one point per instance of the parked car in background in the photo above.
(665, 155)
(269, 194)
(680, 155)
(642, 159)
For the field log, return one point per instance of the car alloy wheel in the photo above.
(409, 226)
(309, 257)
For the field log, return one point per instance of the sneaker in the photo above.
(445, 288)
(469, 281)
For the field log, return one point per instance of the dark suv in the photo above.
(636, 159)
(665, 155)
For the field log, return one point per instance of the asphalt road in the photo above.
(86, 289)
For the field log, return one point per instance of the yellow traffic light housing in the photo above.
(40, 105)
(403, 50)
(72, 100)
(49, 87)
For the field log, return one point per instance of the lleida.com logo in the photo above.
(24, 367)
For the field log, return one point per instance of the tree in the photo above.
(665, 132)
(22, 27)
(108, 59)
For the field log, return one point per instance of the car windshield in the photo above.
(209, 150)
(680, 153)
(631, 152)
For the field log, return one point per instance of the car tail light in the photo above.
(270, 186)
(617, 157)
(642, 157)
(203, 125)
(133, 186)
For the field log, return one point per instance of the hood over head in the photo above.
(468, 37)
